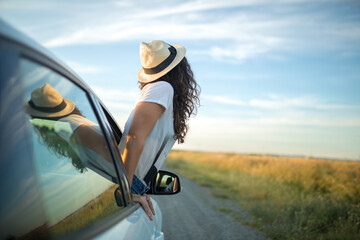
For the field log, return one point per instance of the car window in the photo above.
(75, 171)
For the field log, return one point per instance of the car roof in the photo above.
(9, 33)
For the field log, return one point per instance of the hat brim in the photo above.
(70, 106)
(180, 54)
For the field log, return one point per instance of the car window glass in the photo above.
(75, 171)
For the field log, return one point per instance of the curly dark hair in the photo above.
(186, 96)
(57, 144)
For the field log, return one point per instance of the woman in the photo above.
(169, 96)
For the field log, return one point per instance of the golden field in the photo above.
(94, 211)
(288, 197)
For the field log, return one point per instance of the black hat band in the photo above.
(58, 108)
(164, 64)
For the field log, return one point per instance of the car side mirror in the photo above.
(165, 183)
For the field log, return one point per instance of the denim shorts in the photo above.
(137, 187)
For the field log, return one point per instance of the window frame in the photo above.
(108, 129)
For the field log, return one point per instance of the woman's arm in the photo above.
(89, 138)
(145, 116)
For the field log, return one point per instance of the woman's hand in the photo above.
(145, 202)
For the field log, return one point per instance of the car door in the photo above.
(56, 187)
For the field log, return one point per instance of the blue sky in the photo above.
(279, 77)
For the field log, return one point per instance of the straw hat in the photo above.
(47, 102)
(158, 58)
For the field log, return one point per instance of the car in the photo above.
(49, 187)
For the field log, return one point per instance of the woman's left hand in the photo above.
(146, 204)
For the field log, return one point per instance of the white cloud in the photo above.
(282, 102)
(85, 68)
(222, 99)
(230, 30)
(116, 99)
(116, 94)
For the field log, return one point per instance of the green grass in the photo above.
(289, 198)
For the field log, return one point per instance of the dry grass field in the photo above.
(96, 210)
(288, 197)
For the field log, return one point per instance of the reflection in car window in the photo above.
(75, 171)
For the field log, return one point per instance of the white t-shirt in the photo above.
(161, 138)
(75, 121)
(66, 126)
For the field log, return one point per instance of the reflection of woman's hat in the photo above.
(47, 102)
(157, 59)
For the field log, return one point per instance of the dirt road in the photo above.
(192, 214)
